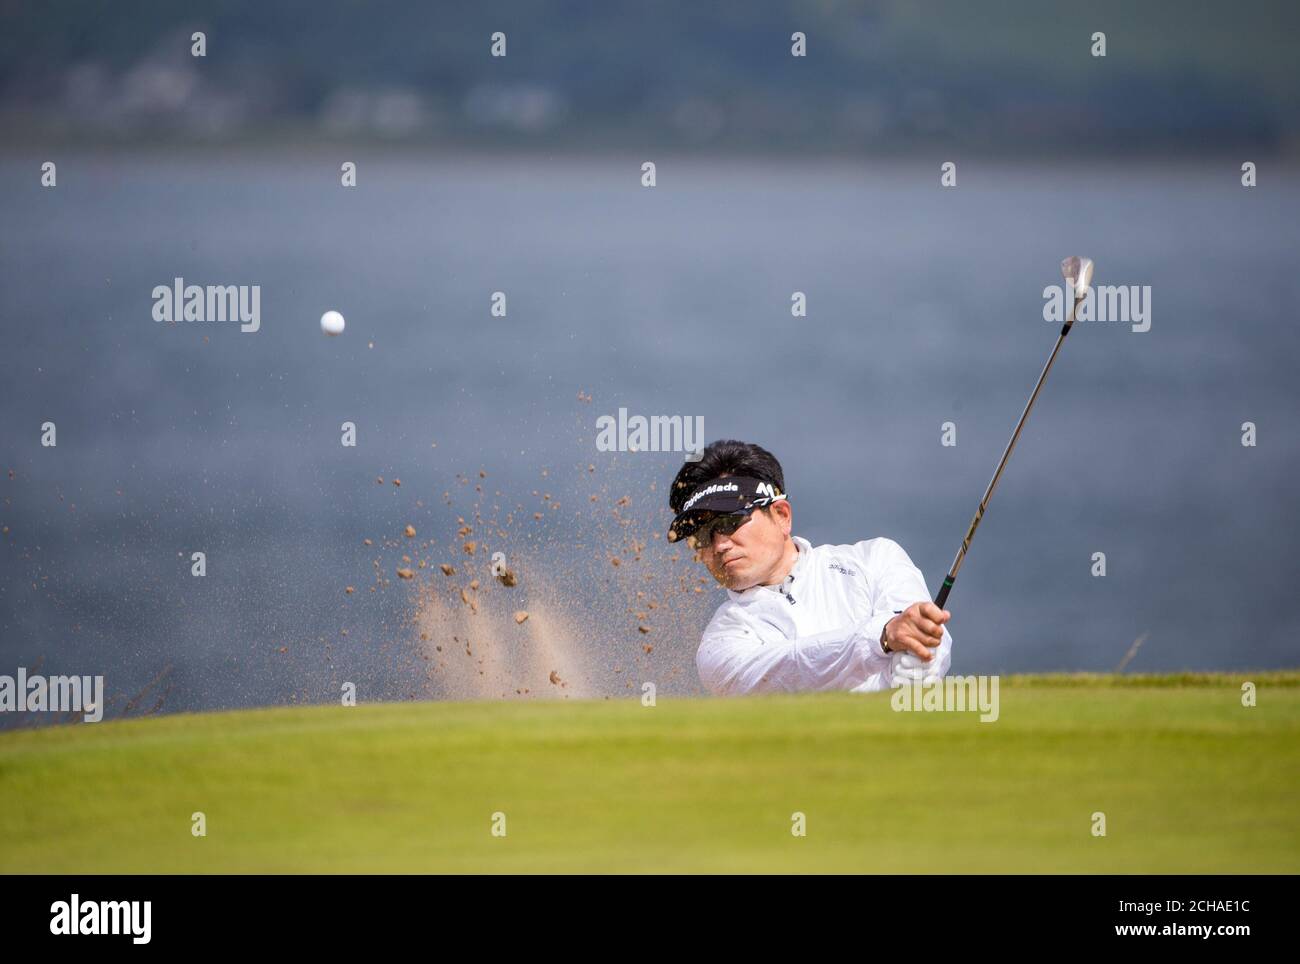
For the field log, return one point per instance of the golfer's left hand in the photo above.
(917, 630)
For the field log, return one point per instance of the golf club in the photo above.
(1078, 275)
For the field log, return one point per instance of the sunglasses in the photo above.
(702, 537)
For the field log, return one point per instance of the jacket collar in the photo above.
(800, 563)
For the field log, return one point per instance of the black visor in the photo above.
(730, 495)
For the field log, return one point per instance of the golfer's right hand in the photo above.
(906, 668)
(917, 630)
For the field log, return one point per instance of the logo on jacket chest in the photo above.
(841, 568)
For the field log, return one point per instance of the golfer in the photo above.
(797, 616)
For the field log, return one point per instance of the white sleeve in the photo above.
(897, 584)
(732, 662)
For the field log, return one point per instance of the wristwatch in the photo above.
(884, 631)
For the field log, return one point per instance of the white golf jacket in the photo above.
(820, 629)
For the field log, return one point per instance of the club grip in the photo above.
(942, 597)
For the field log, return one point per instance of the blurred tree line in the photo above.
(1002, 75)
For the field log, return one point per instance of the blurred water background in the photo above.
(924, 306)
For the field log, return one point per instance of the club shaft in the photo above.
(942, 596)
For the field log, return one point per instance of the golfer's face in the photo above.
(745, 557)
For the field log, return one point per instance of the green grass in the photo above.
(1189, 779)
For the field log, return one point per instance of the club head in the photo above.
(1078, 274)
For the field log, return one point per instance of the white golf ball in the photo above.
(331, 323)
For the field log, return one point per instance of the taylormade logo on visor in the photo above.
(709, 490)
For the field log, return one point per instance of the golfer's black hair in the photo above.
(725, 457)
